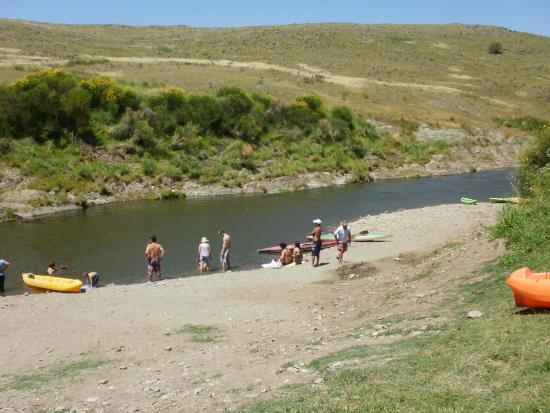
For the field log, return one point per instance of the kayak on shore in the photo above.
(49, 283)
(530, 289)
(513, 200)
(363, 236)
(468, 201)
(306, 247)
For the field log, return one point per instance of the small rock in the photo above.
(263, 390)
(111, 387)
(92, 400)
(105, 403)
(318, 380)
(474, 314)
(420, 295)
(198, 391)
(352, 276)
(123, 367)
(397, 259)
(104, 381)
(379, 327)
(168, 348)
(133, 409)
(60, 409)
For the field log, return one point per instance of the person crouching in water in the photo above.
(92, 278)
(297, 255)
(342, 235)
(204, 255)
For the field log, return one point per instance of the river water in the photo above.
(111, 239)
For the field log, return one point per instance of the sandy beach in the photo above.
(224, 340)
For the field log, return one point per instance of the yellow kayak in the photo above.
(47, 282)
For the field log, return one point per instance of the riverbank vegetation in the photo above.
(498, 362)
(71, 134)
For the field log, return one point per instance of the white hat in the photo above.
(317, 221)
(204, 239)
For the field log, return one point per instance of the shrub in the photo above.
(149, 167)
(496, 48)
(121, 131)
(172, 172)
(5, 145)
(341, 119)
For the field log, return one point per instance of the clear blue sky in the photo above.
(528, 15)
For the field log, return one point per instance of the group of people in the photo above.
(91, 278)
(293, 254)
(154, 253)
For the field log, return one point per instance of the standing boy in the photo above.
(316, 243)
(224, 254)
(154, 253)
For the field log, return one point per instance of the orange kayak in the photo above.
(530, 289)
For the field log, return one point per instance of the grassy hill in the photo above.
(439, 74)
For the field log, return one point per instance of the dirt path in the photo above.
(241, 328)
(12, 57)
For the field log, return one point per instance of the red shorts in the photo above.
(342, 247)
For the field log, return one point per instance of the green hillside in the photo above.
(439, 74)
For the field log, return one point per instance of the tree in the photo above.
(496, 48)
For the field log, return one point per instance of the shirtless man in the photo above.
(286, 257)
(224, 254)
(154, 253)
(317, 243)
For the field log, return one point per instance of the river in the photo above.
(111, 239)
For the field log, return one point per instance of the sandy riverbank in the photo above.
(262, 319)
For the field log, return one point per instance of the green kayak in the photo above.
(514, 200)
(468, 201)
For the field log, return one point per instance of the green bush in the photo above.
(496, 48)
(149, 167)
(341, 119)
(121, 131)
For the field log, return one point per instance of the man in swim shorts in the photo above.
(317, 243)
(154, 253)
(342, 235)
(224, 254)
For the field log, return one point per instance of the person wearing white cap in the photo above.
(317, 243)
(342, 235)
(204, 255)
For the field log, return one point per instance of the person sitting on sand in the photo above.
(204, 255)
(92, 279)
(285, 257)
(297, 256)
(52, 270)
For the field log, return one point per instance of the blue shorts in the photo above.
(95, 280)
(316, 248)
